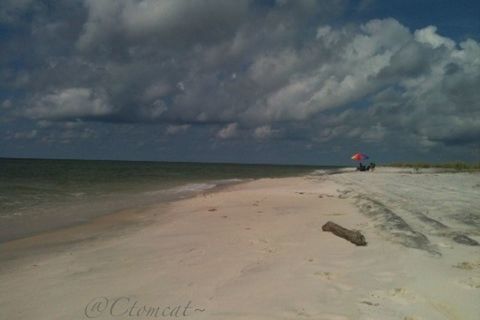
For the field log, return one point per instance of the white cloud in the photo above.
(181, 86)
(168, 21)
(228, 131)
(339, 68)
(155, 110)
(70, 103)
(430, 36)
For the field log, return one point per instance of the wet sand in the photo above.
(256, 251)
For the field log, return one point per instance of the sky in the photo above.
(247, 81)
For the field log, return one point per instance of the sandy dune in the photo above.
(256, 251)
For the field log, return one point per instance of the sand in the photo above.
(256, 251)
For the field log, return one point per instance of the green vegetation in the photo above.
(450, 165)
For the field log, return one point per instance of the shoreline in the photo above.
(256, 250)
(105, 226)
(169, 195)
(41, 195)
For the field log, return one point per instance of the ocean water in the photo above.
(38, 195)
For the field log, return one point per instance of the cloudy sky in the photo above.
(277, 81)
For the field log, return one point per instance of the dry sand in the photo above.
(256, 251)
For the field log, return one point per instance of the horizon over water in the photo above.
(38, 195)
(345, 164)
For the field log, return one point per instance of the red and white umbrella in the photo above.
(359, 156)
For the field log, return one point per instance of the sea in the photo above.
(37, 195)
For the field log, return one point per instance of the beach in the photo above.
(256, 250)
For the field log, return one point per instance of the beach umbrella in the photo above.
(359, 156)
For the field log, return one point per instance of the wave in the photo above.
(194, 187)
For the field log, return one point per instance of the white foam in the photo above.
(194, 187)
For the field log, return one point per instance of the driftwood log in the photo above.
(351, 235)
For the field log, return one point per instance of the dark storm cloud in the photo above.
(259, 70)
